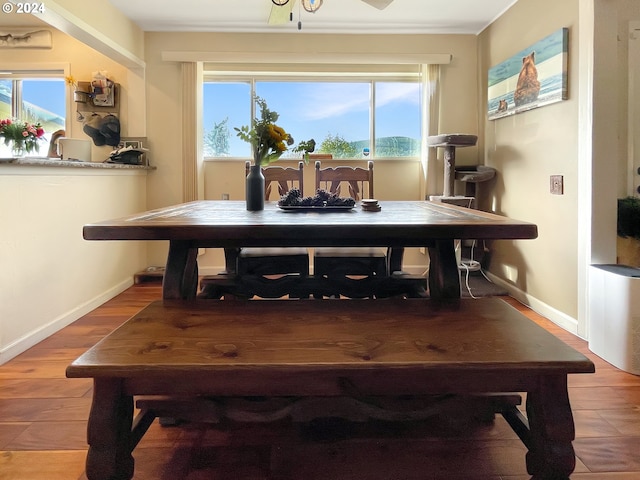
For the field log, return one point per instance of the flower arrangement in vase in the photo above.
(268, 142)
(22, 137)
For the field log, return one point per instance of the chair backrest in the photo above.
(53, 144)
(286, 178)
(357, 178)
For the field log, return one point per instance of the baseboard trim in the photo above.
(36, 336)
(561, 319)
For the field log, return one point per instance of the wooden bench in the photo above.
(329, 348)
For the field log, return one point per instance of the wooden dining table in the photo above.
(190, 357)
(229, 225)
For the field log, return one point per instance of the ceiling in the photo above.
(335, 16)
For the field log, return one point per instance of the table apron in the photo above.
(331, 383)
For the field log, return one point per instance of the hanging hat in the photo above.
(92, 128)
(110, 129)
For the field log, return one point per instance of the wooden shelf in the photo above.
(89, 107)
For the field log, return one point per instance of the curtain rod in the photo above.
(305, 57)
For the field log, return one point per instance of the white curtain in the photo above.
(192, 159)
(430, 76)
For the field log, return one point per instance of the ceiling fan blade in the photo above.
(379, 4)
(281, 15)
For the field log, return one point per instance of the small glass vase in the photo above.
(18, 150)
(255, 189)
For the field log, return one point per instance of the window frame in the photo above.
(40, 71)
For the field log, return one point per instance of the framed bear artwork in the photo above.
(532, 78)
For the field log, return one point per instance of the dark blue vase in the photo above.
(255, 189)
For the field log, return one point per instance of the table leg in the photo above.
(109, 432)
(394, 259)
(444, 278)
(230, 260)
(181, 272)
(551, 454)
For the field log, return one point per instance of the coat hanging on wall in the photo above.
(103, 130)
(92, 128)
(110, 130)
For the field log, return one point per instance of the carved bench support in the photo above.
(109, 432)
(551, 455)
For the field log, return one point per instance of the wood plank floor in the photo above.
(43, 421)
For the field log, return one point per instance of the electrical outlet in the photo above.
(225, 196)
(556, 185)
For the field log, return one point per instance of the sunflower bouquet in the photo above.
(21, 136)
(268, 140)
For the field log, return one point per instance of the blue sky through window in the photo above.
(318, 109)
(49, 95)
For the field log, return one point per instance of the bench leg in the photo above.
(551, 455)
(109, 432)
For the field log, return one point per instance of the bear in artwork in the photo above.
(528, 87)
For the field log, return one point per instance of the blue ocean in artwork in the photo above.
(550, 91)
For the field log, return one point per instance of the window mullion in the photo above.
(372, 120)
(16, 99)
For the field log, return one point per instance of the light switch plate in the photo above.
(556, 185)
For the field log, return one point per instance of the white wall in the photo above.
(526, 149)
(50, 274)
(98, 25)
(584, 139)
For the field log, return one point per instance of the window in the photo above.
(35, 98)
(342, 115)
(397, 119)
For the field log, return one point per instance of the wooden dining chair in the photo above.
(337, 263)
(275, 260)
(53, 151)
